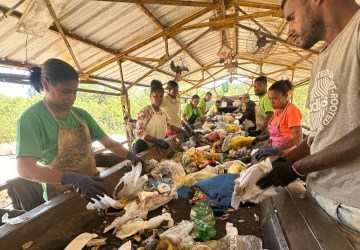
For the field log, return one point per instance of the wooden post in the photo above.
(125, 106)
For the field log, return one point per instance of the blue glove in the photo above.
(185, 134)
(161, 143)
(282, 174)
(265, 152)
(84, 185)
(260, 138)
(135, 159)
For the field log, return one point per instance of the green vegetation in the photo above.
(106, 110)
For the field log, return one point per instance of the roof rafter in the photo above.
(170, 57)
(159, 24)
(164, 2)
(152, 38)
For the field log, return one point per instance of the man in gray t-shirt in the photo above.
(330, 155)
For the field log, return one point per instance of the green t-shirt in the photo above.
(190, 110)
(202, 104)
(37, 131)
(265, 105)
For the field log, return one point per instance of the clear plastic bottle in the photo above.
(204, 221)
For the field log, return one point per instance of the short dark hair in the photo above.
(156, 85)
(209, 93)
(172, 84)
(55, 71)
(282, 86)
(194, 97)
(262, 79)
(217, 101)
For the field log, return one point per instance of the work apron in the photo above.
(260, 119)
(156, 126)
(75, 153)
(276, 139)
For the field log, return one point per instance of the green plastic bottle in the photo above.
(204, 221)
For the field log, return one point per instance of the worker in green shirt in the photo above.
(264, 111)
(54, 139)
(203, 101)
(192, 112)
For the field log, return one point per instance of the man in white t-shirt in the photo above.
(171, 105)
(330, 155)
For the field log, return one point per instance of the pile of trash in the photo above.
(212, 172)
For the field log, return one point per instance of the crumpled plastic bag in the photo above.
(126, 246)
(245, 186)
(12, 221)
(104, 203)
(191, 179)
(173, 167)
(236, 142)
(132, 183)
(80, 241)
(180, 233)
(133, 227)
(132, 210)
(150, 201)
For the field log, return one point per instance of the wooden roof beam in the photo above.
(216, 24)
(203, 83)
(164, 2)
(57, 24)
(11, 10)
(255, 5)
(170, 57)
(152, 38)
(159, 24)
(269, 62)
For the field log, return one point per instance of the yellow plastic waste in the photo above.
(232, 128)
(236, 142)
(236, 168)
(191, 179)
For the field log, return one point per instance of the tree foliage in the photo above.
(106, 109)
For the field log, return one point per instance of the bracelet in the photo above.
(293, 168)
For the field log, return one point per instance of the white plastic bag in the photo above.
(150, 201)
(245, 186)
(139, 225)
(103, 203)
(80, 241)
(180, 233)
(173, 167)
(132, 210)
(132, 183)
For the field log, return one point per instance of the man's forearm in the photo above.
(344, 150)
(267, 119)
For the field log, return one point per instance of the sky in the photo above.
(11, 89)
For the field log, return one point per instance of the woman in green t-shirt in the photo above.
(54, 139)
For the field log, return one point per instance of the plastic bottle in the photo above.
(204, 221)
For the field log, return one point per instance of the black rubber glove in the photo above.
(282, 174)
(161, 143)
(185, 134)
(135, 159)
(255, 132)
(265, 152)
(251, 128)
(260, 138)
(85, 185)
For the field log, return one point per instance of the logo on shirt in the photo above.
(324, 101)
